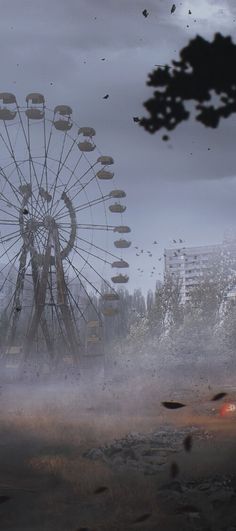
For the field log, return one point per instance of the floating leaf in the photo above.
(99, 490)
(173, 405)
(219, 396)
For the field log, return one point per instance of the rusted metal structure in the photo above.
(54, 226)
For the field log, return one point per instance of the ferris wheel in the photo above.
(61, 228)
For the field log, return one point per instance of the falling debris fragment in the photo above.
(4, 499)
(103, 59)
(188, 443)
(100, 490)
(142, 518)
(189, 12)
(173, 8)
(173, 405)
(219, 396)
(174, 470)
(25, 212)
(145, 13)
(106, 97)
(190, 510)
(136, 119)
(165, 138)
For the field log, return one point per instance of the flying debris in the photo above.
(145, 13)
(4, 499)
(219, 396)
(103, 59)
(136, 119)
(174, 241)
(180, 241)
(165, 138)
(188, 443)
(173, 405)
(190, 510)
(173, 8)
(106, 97)
(174, 470)
(99, 490)
(18, 308)
(142, 518)
(155, 243)
(25, 211)
(189, 12)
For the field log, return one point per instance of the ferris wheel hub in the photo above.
(49, 222)
(32, 225)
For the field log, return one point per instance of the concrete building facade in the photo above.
(190, 264)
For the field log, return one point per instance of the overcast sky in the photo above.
(56, 46)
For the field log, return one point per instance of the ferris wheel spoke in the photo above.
(8, 223)
(79, 275)
(83, 187)
(9, 214)
(49, 285)
(93, 269)
(86, 205)
(10, 236)
(38, 240)
(67, 156)
(27, 142)
(11, 152)
(99, 248)
(46, 150)
(91, 254)
(12, 186)
(54, 186)
(12, 261)
(45, 167)
(91, 226)
(99, 187)
(66, 189)
(9, 248)
(76, 304)
(9, 203)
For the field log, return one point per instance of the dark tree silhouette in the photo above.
(203, 67)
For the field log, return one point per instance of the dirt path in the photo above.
(52, 485)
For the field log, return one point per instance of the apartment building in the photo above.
(189, 264)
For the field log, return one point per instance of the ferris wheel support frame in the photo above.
(40, 287)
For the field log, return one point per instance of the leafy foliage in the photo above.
(203, 67)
